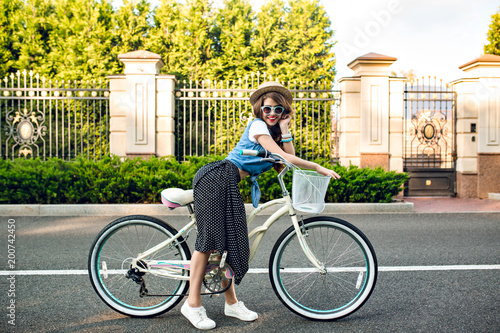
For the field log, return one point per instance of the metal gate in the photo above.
(429, 147)
(45, 118)
(212, 115)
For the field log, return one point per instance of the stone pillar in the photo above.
(365, 114)
(478, 128)
(118, 110)
(396, 123)
(141, 107)
(466, 140)
(349, 125)
(165, 115)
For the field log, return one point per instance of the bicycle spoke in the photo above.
(325, 295)
(119, 284)
(297, 281)
(308, 288)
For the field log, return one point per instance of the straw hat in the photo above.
(268, 87)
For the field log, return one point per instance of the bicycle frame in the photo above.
(175, 268)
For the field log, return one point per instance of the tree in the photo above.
(132, 26)
(8, 53)
(164, 35)
(305, 44)
(32, 38)
(494, 36)
(183, 36)
(67, 39)
(269, 28)
(234, 33)
(102, 55)
(82, 41)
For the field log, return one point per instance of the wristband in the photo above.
(286, 136)
(287, 140)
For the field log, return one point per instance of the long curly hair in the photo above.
(280, 100)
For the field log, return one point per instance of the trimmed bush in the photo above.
(112, 180)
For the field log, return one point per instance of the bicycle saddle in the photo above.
(176, 197)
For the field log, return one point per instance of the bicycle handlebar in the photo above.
(266, 155)
(258, 153)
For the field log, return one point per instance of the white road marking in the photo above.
(266, 271)
(437, 268)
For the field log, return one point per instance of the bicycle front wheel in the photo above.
(122, 288)
(345, 283)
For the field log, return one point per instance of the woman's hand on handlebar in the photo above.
(327, 172)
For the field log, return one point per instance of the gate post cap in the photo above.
(141, 62)
(371, 64)
(139, 54)
(488, 62)
(372, 56)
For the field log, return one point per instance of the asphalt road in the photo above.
(415, 300)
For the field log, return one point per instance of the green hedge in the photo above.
(111, 180)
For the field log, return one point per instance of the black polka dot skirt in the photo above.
(220, 214)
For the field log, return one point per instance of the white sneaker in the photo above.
(240, 311)
(197, 317)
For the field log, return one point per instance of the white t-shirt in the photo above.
(257, 128)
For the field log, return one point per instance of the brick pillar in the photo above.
(478, 128)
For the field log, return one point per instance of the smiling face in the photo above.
(271, 118)
(272, 99)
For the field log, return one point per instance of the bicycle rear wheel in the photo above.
(347, 281)
(109, 266)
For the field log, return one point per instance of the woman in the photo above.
(219, 208)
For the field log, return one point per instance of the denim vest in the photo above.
(250, 164)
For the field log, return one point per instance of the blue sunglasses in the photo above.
(277, 109)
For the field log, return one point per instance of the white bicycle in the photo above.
(321, 268)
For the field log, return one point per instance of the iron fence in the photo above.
(45, 118)
(212, 115)
(429, 125)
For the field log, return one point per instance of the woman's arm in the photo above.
(269, 144)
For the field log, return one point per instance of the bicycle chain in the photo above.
(214, 293)
(144, 291)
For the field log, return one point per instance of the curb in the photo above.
(161, 210)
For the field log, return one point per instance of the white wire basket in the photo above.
(308, 191)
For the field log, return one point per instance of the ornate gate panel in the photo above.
(429, 147)
(45, 118)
